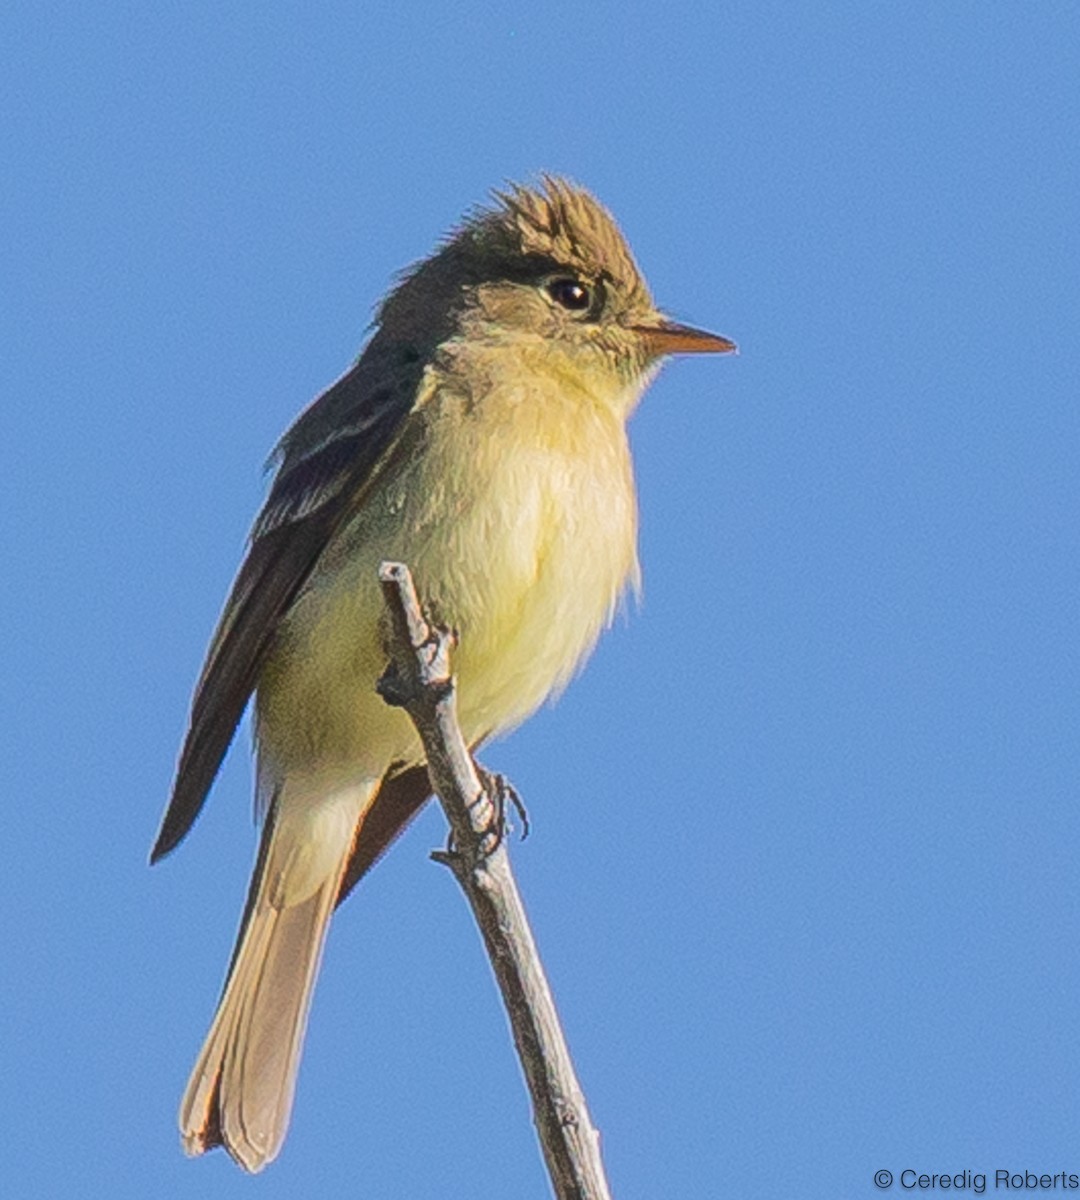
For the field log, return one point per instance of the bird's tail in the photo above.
(241, 1089)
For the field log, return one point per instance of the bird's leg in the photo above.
(401, 688)
(498, 790)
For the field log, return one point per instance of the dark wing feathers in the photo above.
(325, 464)
(399, 799)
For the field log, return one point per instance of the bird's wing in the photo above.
(329, 457)
(400, 798)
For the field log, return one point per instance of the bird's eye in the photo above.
(571, 294)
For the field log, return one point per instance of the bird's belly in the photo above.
(525, 555)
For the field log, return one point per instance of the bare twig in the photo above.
(419, 681)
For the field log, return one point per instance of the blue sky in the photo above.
(805, 831)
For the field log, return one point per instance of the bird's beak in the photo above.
(668, 337)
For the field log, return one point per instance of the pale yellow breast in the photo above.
(517, 516)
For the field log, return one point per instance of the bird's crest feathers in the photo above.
(556, 221)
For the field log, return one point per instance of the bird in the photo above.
(480, 438)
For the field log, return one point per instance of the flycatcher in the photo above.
(481, 439)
